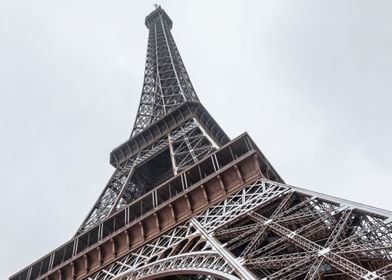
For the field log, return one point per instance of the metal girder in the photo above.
(166, 86)
(332, 241)
(266, 230)
(249, 202)
(166, 81)
(176, 240)
(256, 240)
(188, 138)
(258, 230)
(276, 262)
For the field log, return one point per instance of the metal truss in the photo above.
(231, 229)
(191, 239)
(182, 250)
(208, 263)
(166, 86)
(310, 237)
(190, 147)
(269, 231)
(166, 82)
(186, 144)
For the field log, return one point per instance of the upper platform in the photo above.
(162, 127)
(156, 14)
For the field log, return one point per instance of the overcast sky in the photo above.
(310, 81)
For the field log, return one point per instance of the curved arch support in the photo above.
(198, 263)
(197, 271)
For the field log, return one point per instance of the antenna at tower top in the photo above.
(156, 6)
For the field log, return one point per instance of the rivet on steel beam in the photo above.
(203, 189)
(188, 203)
(172, 212)
(128, 238)
(73, 271)
(157, 221)
(114, 247)
(142, 230)
(222, 185)
(100, 255)
(239, 174)
(86, 263)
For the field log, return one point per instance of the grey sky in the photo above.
(309, 80)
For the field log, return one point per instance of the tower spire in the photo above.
(172, 129)
(166, 83)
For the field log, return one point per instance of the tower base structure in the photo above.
(223, 218)
(186, 202)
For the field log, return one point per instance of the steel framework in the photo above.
(186, 200)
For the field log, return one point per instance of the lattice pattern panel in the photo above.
(273, 231)
(166, 82)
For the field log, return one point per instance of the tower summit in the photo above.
(186, 202)
(166, 83)
(158, 14)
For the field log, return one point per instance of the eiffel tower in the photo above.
(187, 202)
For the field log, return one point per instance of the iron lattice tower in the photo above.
(186, 200)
